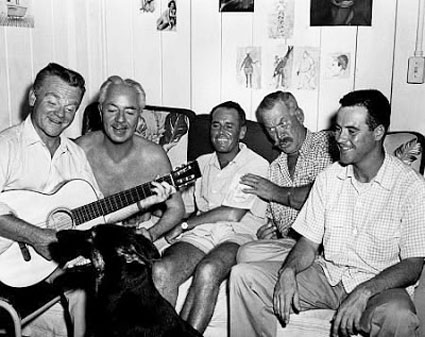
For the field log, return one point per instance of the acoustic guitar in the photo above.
(73, 204)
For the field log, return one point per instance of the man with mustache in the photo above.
(360, 250)
(304, 155)
(121, 160)
(205, 246)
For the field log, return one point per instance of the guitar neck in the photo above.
(115, 201)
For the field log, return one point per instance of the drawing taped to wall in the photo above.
(147, 6)
(16, 13)
(168, 18)
(341, 12)
(338, 66)
(281, 19)
(281, 60)
(307, 61)
(248, 67)
(236, 5)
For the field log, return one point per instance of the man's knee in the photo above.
(162, 271)
(209, 272)
(392, 316)
(247, 252)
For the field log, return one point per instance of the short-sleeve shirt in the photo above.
(26, 163)
(317, 152)
(221, 187)
(365, 227)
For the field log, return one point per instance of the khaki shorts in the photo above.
(207, 236)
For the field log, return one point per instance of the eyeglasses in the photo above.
(282, 126)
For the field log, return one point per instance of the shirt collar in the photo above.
(31, 137)
(384, 177)
(242, 147)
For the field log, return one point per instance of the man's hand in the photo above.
(162, 192)
(285, 295)
(260, 186)
(347, 318)
(267, 232)
(44, 238)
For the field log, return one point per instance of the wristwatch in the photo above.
(184, 225)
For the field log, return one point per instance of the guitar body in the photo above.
(74, 203)
(45, 211)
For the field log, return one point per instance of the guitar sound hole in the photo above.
(60, 219)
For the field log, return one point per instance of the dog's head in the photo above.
(109, 247)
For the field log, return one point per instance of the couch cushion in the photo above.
(408, 146)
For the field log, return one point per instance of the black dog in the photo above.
(126, 300)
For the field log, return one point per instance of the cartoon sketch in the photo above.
(281, 73)
(248, 68)
(16, 13)
(338, 65)
(147, 6)
(307, 70)
(168, 19)
(281, 19)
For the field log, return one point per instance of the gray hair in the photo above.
(284, 97)
(117, 80)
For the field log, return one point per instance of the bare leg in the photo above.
(210, 273)
(175, 267)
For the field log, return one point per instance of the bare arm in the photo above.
(16, 229)
(294, 197)
(173, 215)
(286, 290)
(400, 275)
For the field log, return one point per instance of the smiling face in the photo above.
(226, 131)
(285, 127)
(54, 103)
(357, 143)
(120, 112)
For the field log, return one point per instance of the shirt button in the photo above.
(355, 231)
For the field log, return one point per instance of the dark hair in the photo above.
(71, 77)
(270, 100)
(376, 104)
(231, 105)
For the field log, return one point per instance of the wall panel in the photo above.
(197, 66)
(176, 58)
(206, 38)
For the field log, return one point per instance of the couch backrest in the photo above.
(255, 138)
(185, 136)
(408, 146)
(167, 126)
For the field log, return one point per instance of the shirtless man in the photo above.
(121, 160)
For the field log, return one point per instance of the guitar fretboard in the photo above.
(115, 202)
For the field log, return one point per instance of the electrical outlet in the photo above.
(415, 70)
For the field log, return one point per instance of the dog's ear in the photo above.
(71, 244)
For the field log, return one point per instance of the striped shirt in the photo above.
(365, 227)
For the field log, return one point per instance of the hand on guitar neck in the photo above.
(73, 205)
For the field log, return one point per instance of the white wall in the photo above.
(195, 67)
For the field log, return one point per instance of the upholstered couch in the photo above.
(314, 323)
(188, 135)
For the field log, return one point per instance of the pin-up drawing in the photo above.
(307, 68)
(248, 64)
(281, 19)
